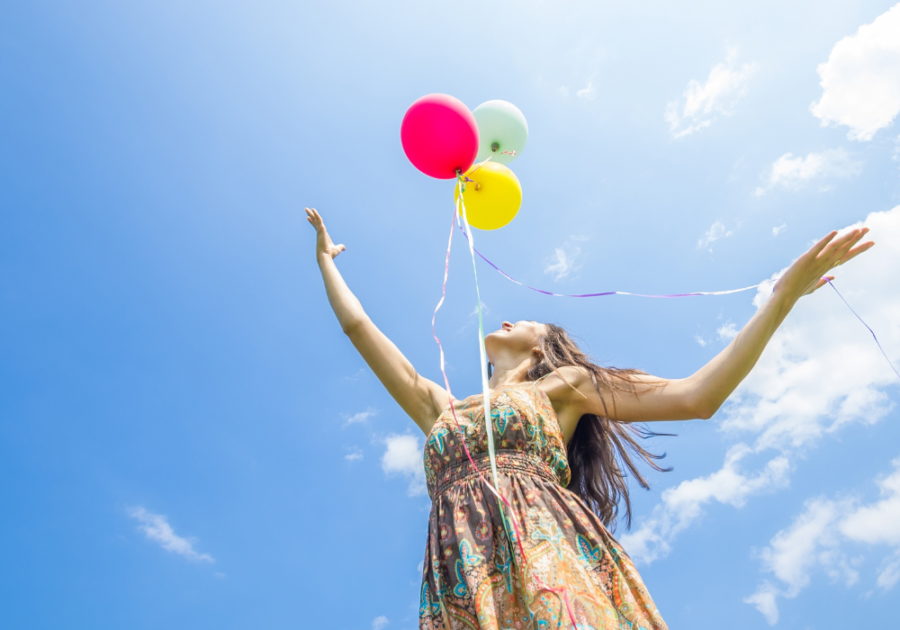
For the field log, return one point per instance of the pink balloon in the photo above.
(439, 136)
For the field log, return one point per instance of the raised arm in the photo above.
(701, 394)
(419, 397)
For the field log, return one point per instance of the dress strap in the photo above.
(538, 380)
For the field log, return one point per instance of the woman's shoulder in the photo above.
(566, 373)
(563, 381)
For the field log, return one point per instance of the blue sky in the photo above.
(188, 441)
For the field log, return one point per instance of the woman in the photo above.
(561, 426)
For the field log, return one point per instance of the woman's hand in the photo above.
(808, 272)
(324, 244)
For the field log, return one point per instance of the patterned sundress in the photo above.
(474, 573)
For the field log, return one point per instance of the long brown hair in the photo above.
(600, 452)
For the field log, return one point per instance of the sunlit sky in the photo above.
(187, 440)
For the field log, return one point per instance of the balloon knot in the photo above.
(495, 147)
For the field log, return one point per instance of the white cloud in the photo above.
(682, 505)
(794, 552)
(794, 172)
(814, 540)
(820, 372)
(727, 331)
(778, 228)
(714, 233)
(379, 623)
(764, 600)
(354, 455)
(403, 455)
(360, 416)
(700, 340)
(565, 258)
(861, 79)
(588, 93)
(878, 523)
(890, 573)
(702, 103)
(157, 529)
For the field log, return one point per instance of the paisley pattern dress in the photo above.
(474, 573)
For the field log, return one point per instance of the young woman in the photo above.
(563, 432)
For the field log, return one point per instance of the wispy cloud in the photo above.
(778, 229)
(565, 259)
(794, 172)
(861, 79)
(589, 92)
(815, 538)
(727, 331)
(156, 528)
(715, 232)
(700, 340)
(354, 454)
(683, 505)
(379, 623)
(702, 103)
(403, 455)
(360, 416)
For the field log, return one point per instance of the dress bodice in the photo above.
(522, 420)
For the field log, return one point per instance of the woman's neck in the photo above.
(509, 371)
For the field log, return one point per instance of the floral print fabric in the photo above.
(474, 573)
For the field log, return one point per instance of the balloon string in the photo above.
(485, 386)
(603, 293)
(675, 295)
(511, 519)
(874, 336)
(464, 177)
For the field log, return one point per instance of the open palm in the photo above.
(324, 245)
(808, 273)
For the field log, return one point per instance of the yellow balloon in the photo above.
(493, 196)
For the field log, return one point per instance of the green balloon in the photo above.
(502, 131)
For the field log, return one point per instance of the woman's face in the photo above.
(521, 337)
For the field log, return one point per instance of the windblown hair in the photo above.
(601, 450)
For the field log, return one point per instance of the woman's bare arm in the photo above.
(419, 397)
(701, 394)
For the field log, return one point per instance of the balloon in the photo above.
(493, 196)
(439, 136)
(502, 131)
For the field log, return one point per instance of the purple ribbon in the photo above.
(878, 343)
(603, 293)
(673, 295)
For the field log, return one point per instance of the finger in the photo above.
(856, 251)
(844, 249)
(837, 247)
(843, 239)
(342, 248)
(819, 284)
(818, 247)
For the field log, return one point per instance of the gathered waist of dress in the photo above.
(509, 462)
